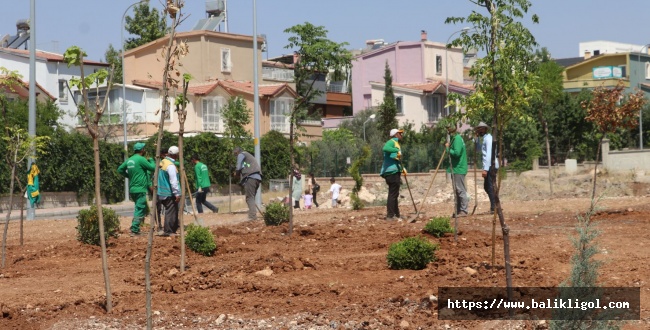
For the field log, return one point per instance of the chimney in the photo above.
(423, 35)
(296, 57)
(587, 54)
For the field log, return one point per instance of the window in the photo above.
(280, 109)
(95, 99)
(647, 70)
(438, 64)
(367, 101)
(399, 103)
(63, 92)
(433, 108)
(212, 120)
(226, 63)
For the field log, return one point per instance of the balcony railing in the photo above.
(281, 75)
(337, 87)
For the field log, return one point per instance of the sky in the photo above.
(94, 24)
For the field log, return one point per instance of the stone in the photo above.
(470, 271)
(265, 272)
(404, 324)
(172, 272)
(220, 319)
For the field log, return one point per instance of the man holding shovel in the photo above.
(458, 169)
(250, 173)
(391, 170)
(486, 151)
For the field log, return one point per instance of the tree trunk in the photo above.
(498, 129)
(548, 150)
(548, 158)
(161, 124)
(11, 202)
(593, 191)
(100, 216)
(181, 209)
(22, 208)
(291, 138)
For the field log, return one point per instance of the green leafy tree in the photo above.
(551, 89)
(91, 116)
(503, 83)
(274, 150)
(113, 57)
(236, 115)
(357, 204)
(147, 24)
(317, 56)
(388, 108)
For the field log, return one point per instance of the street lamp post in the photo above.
(641, 110)
(364, 125)
(126, 148)
(465, 29)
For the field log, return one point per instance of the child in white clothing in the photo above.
(307, 197)
(335, 189)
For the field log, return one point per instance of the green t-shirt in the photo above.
(202, 175)
(138, 169)
(458, 154)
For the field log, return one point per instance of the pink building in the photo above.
(412, 64)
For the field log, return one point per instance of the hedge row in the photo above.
(69, 164)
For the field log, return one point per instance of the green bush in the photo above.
(200, 240)
(438, 226)
(88, 225)
(276, 214)
(411, 253)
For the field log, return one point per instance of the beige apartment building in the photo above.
(221, 67)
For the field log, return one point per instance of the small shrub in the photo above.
(200, 240)
(411, 253)
(276, 214)
(88, 225)
(438, 226)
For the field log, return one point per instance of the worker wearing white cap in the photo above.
(488, 172)
(391, 170)
(169, 192)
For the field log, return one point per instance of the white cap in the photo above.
(173, 150)
(395, 131)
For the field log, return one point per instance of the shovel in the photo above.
(197, 220)
(417, 214)
(475, 184)
(409, 188)
(453, 184)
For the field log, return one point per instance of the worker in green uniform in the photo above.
(138, 170)
(202, 185)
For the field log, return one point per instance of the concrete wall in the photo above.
(626, 159)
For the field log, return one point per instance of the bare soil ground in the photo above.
(331, 273)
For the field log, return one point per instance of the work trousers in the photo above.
(392, 204)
